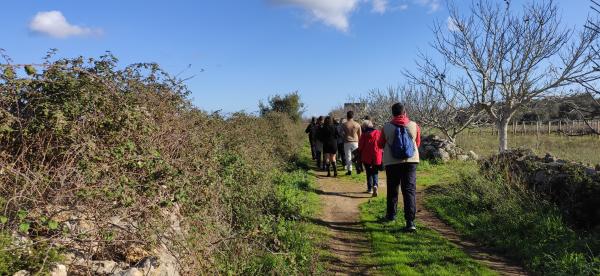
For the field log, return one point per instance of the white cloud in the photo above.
(380, 6)
(334, 13)
(433, 5)
(452, 25)
(54, 24)
(403, 7)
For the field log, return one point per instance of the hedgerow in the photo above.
(98, 159)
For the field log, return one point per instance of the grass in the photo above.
(584, 149)
(297, 241)
(514, 221)
(422, 253)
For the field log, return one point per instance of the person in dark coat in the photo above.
(328, 135)
(318, 145)
(309, 130)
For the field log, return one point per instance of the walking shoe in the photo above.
(369, 191)
(410, 227)
(375, 191)
(349, 173)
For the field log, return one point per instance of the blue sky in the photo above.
(242, 51)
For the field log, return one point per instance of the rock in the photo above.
(131, 272)
(135, 253)
(59, 270)
(472, 155)
(462, 157)
(441, 155)
(590, 171)
(22, 273)
(549, 158)
(106, 267)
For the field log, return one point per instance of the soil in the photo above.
(349, 242)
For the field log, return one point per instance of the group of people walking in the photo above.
(332, 140)
(393, 148)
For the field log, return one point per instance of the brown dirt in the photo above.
(349, 242)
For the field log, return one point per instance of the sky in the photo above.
(242, 51)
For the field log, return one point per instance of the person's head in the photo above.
(367, 124)
(313, 120)
(327, 121)
(320, 120)
(367, 117)
(336, 121)
(350, 115)
(398, 109)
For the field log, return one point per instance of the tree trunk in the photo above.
(503, 134)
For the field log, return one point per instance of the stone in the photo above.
(462, 157)
(549, 158)
(441, 155)
(472, 155)
(135, 253)
(131, 272)
(22, 273)
(590, 171)
(106, 267)
(59, 270)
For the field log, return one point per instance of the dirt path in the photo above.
(349, 241)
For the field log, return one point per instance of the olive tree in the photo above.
(509, 57)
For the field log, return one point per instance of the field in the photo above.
(584, 149)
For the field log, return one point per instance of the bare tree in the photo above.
(378, 103)
(441, 103)
(509, 58)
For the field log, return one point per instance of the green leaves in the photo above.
(24, 227)
(30, 70)
(52, 225)
(9, 73)
(3, 219)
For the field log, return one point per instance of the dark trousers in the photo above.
(312, 148)
(372, 176)
(402, 176)
(341, 154)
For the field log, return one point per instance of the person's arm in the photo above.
(359, 131)
(307, 130)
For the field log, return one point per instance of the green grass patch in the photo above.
(422, 253)
(516, 221)
(429, 174)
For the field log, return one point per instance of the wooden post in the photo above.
(524, 130)
(559, 127)
(537, 128)
(514, 127)
(549, 127)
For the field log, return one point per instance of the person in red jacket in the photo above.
(370, 155)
